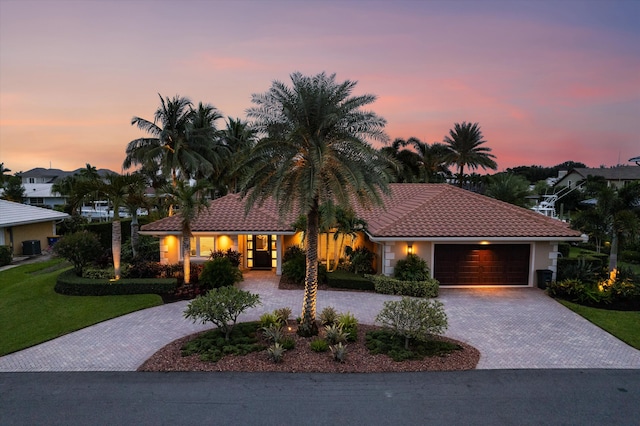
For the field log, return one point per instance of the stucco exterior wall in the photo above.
(35, 231)
(545, 256)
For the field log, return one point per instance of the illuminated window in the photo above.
(206, 246)
(262, 242)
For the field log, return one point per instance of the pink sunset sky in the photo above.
(548, 81)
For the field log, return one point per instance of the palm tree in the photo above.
(464, 143)
(347, 224)
(240, 138)
(191, 200)
(314, 151)
(509, 188)
(432, 159)
(4, 176)
(134, 200)
(117, 188)
(618, 210)
(407, 161)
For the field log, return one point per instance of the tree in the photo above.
(314, 151)
(4, 177)
(509, 188)
(79, 248)
(135, 199)
(239, 137)
(464, 143)
(13, 189)
(191, 201)
(117, 188)
(432, 160)
(221, 306)
(408, 162)
(78, 188)
(618, 212)
(184, 141)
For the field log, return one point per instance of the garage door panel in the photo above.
(472, 264)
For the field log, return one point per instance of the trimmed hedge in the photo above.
(388, 285)
(72, 285)
(5, 255)
(349, 280)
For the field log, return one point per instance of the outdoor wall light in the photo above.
(410, 248)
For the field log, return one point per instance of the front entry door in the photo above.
(260, 251)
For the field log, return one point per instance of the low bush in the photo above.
(413, 268)
(70, 284)
(5, 255)
(349, 324)
(276, 352)
(213, 346)
(620, 294)
(233, 256)
(328, 316)
(273, 333)
(387, 285)
(348, 280)
(385, 342)
(360, 260)
(339, 352)
(319, 345)
(413, 319)
(219, 272)
(98, 274)
(334, 334)
(630, 256)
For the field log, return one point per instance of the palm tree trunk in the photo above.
(135, 236)
(186, 254)
(613, 255)
(308, 325)
(116, 244)
(460, 175)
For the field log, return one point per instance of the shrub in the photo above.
(146, 269)
(268, 319)
(288, 343)
(349, 280)
(413, 268)
(349, 325)
(564, 249)
(588, 270)
(276, 352)
(413, 318)
(212, 345)
(283, 314)
(233, 256)
(97, 274)
(273, 333)
(70, 284)
(388, 285)
(219, 272)
(328, 316)
(385, 342)
(79, 248)
(334, 334)
(293, 252)
(295, 269)
(339, 352)
(360, 260)
(5, 255)
(148, 250)
(630, 256)
(319, 345)
(221, 306)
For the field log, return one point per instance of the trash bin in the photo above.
(31, 248)
(53, 240)
(544, 277)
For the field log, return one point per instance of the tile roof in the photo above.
(14, 214)
(409, 211)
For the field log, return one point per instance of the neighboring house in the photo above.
(616, 177)
(26, 229)
(466, 238)
(38, 182)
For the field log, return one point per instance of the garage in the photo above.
(482, 265)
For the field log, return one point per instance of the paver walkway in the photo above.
(512, 328)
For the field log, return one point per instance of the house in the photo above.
(466, 238)
(26, 229)
(38, 182)
(616, 177)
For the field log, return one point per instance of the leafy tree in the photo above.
(314, 151)
(509, 188)
(221, 306)
(408, 161)
(191, 200)
(13, 189)
(79, 248)
(465, 149)
(413, 318)
(78, 188)
(4, 177)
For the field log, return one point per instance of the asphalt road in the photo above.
(486, 397)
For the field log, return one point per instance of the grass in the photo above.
(31, 312)
(621, 324)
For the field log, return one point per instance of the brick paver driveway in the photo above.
(512, 328)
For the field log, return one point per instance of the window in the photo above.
(262, 242)
(202, 246)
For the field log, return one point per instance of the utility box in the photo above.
(31, 248)
(545, 276)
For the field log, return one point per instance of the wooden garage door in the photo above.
(493, 264)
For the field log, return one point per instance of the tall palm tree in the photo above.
(117, 189)
(508, 187)
(347, 225)
(240, 138)
(407, 160)
(314, 151)
(205, 139)
(135, 199)
(191, 200)
(4, 176)
(465, 149)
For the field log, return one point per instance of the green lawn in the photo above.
(625, 325)
(31, 312)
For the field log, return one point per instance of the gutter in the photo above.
(581, 238)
